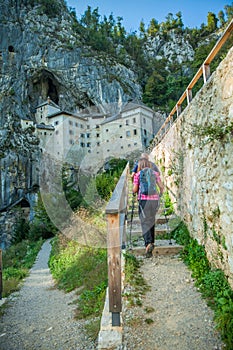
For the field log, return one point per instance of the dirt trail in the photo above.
(180, 318)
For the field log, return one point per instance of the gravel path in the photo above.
(180, 318)
(41, 317)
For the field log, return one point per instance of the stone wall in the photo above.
(196, 158)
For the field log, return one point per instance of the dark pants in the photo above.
(147, 210)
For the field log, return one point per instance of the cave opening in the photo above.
(52, 91)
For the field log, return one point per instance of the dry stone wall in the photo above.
(196, 157)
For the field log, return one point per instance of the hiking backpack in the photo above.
(147, 182)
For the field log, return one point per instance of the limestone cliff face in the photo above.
(175, 47)
(41, 56)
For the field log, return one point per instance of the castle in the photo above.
(96, 133)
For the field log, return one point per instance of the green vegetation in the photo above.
(211, 282)
(84, 269)
(134, 278)
(212, 132)
(73, 266)
(168, 205)
(163, 81)
(51, 8)
(17, 260)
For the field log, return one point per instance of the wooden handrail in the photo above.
(115, 212)
(203, 70)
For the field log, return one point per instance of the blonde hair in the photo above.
(143, 163)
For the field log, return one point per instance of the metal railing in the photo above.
(116, 210)
(204, 71)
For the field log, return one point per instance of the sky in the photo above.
(194, 13)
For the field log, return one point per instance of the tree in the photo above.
(221, 18)
(142, 29)
(229, 12)
(153, 27)
(156, 87)
(179, 21)
(211, 22)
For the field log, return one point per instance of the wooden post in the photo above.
(178, 110)
(1, 274)
(114, 267)
(206, 72)
(189, 95)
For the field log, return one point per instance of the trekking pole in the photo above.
(131, 219)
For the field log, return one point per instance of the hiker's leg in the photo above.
(143, 216)
(154, 206)
(151, 209)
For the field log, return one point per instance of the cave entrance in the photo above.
(52, 91)
(45, 84)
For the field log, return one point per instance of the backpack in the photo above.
(147, 182)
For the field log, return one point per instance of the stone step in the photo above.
(166, 249)
(158, 231)
(158, 221)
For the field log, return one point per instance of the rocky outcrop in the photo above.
(175, 47)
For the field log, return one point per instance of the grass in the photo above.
(16, 261)
(135, 280)
(84, 269)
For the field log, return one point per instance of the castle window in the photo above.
(144, 120)
(56, 122)
(135, 132)
(127, 122)
(134, 120)
(128, 133)
(11, 48)
(70, 122)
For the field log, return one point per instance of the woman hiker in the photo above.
(148, 200)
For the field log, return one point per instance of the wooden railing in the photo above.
(116, 240)
(204, 71)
